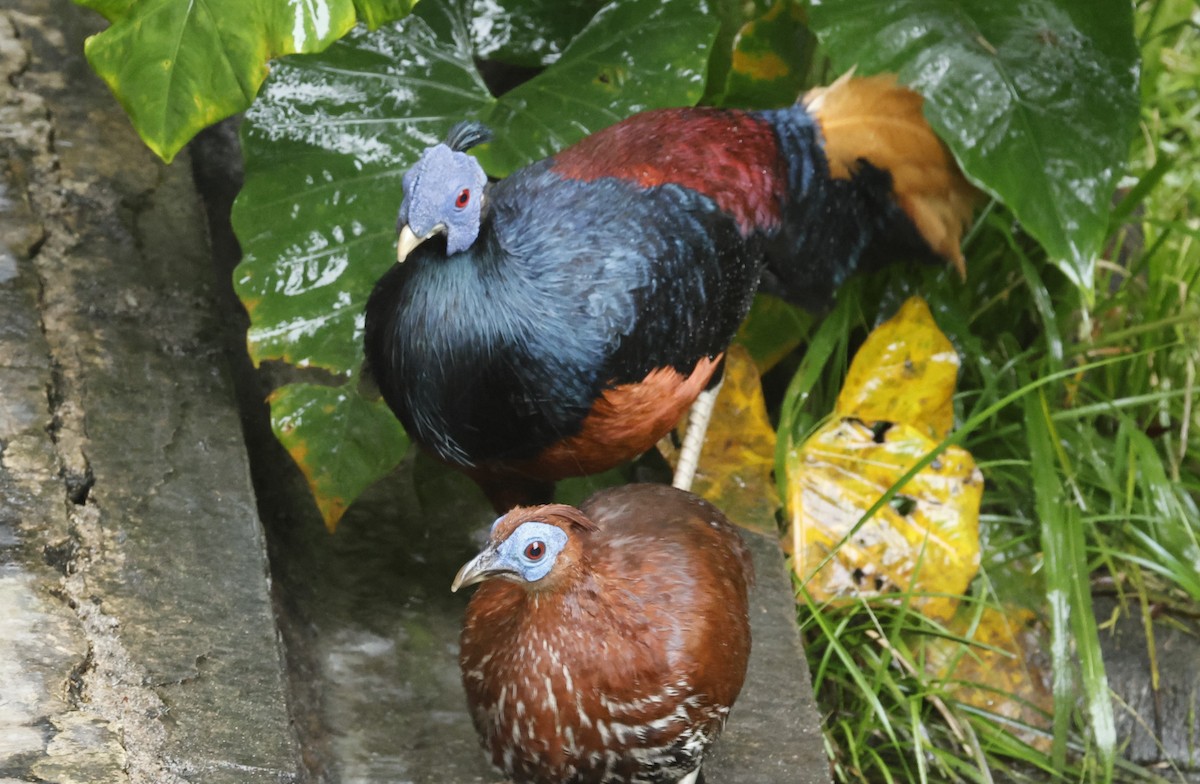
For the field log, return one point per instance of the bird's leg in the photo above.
(691, 777)
(693, 440)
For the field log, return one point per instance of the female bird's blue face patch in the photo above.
(531, 549)
(443, 191)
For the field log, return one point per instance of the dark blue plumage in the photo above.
(511, 355)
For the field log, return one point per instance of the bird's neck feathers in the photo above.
(475, 275)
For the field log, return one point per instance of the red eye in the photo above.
(463, 198)
(535, 550)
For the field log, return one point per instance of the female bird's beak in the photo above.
(409, 240)
(478, 569)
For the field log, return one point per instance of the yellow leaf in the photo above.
(925, 542)
(739, 449)
(1005, 673)
(905, 372)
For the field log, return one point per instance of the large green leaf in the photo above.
(326, 145)
(634, 55)
(180, 65)
(1038, 99)
(328, 140)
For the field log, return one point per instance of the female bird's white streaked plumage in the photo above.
(620, 662)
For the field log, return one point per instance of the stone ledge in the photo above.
(137, 640)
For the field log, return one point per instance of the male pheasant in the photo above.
(560, 321)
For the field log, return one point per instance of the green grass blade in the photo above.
(829, 337)
(1066, 571)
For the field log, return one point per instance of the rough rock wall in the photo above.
(137, 640)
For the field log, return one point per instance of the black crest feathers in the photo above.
(466, 134)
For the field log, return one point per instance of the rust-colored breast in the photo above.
(625, 422)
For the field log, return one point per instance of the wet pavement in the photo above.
(372, 623)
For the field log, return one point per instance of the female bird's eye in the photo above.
(463, 198)
(535, 550)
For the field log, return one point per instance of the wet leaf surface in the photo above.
(631, 57)
(926, 541)
(1037, 99)
(905, 371)
(528, 33)
(177, 66)
(1008, 85)
(341, 441)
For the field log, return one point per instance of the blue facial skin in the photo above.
(444, 188)
(513, 552)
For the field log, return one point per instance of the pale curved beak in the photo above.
(478, 569)
(406, 243)
(409, 240)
